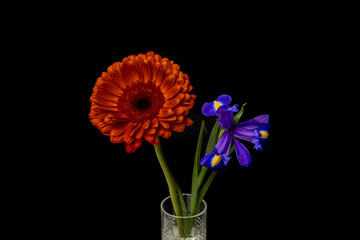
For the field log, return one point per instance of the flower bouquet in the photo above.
(146, 97)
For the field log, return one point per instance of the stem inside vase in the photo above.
(193, 227)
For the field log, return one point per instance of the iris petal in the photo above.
(242, 153)
(264, 132)
(256, 122)
(217, 163)
(226, 117)
(224, 99)
(225, 159)
(234, 108)
(208, 109)
(245, 134)
(224, 144)
(206, 161)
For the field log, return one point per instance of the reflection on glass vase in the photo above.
(180, 228)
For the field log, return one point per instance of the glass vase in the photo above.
(182, 228)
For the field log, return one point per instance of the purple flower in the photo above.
(254, 131)
(215, 161)
(210, 108)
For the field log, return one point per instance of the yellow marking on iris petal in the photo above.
(217, 105)
(264, 134)
(216, 160)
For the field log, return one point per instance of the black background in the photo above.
(67, 180)
(123, 191)
(88, 187)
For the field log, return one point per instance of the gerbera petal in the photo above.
(179, 80)
(179, 110)
(109, 87)
(177, 127)
(242, 153)
(189, 104)
(167, 133)
(224, 144)
(188, 122)
(151, 139)
(154, 123)
(131, 71)
(151, 131)
(170, 118)
(119, 128)
(146, 72)
(181, 118)
(167, 83)
(158, 75)
(150, 54)
(139, 133)
(105, 94)
(114, 71)
(102, 101)
(146, 124)
(172, 102)
(105, 128)
(175, 69)
(128, 135)
(190, 88)
(164, 112)
(165, 64)
(164, 124)
(130, 148)
(172, 91)
(117, 139)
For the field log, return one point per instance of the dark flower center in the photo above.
(142, 104)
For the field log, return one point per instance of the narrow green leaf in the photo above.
(204, 190)
(239, 114)
(213, 138)
(220, 134)
(202, 175)
(198, 149)
(232, 148)
(194, 187)
(209, 148)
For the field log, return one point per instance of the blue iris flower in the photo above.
(210, 108)
(215, 161)
(254, 131)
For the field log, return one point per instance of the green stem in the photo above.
(194, 186)
(170, 182)
(183, 207)
(201, 176)
(204, 189)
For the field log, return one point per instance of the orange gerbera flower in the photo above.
(139, 98)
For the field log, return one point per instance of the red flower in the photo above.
(139, 98)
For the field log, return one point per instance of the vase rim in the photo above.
(193, 216)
